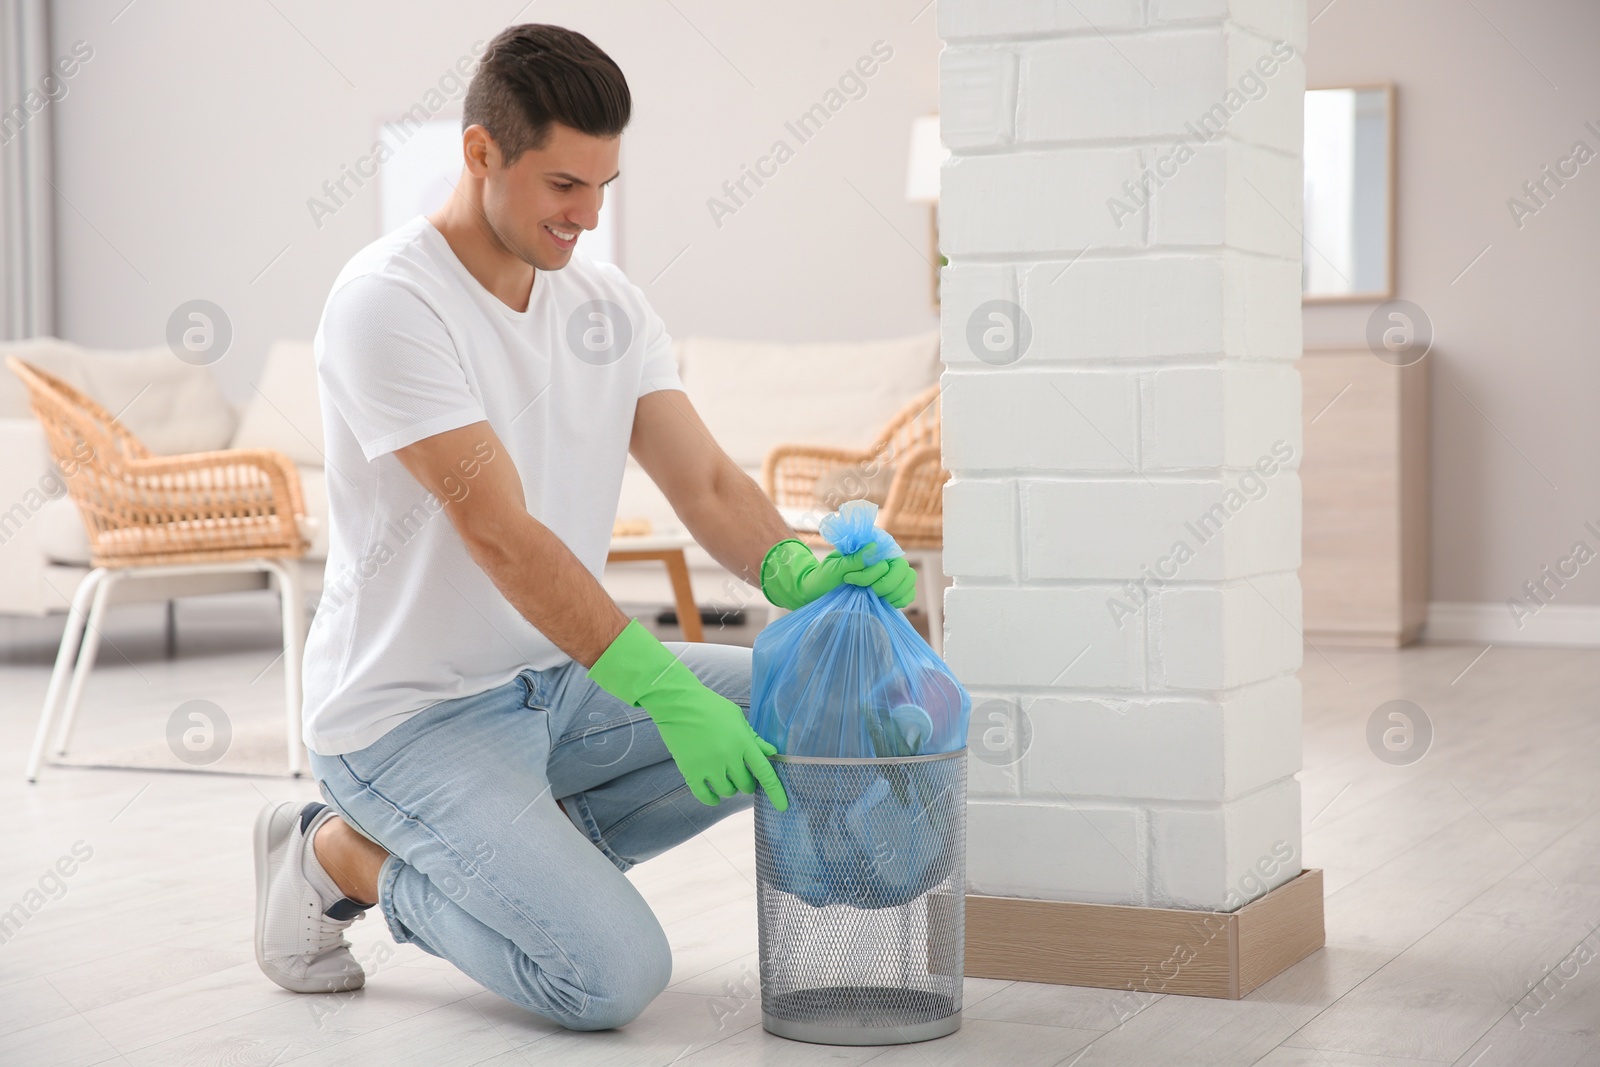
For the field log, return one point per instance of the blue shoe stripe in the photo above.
(345, 908)
(310, 812)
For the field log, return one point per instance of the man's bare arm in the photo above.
(470, 470)
(722, 506)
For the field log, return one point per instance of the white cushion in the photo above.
(640, 498)
(171, 406)
(62, 536)
(49, 354)
(754, 395)
(283, 410)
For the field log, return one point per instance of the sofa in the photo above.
(752, 396)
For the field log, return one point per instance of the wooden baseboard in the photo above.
(1364, 638)
(1157, 950)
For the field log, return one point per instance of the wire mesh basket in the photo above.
(860, 892)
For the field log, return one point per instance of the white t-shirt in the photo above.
(411, 345)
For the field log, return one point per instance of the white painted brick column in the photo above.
(1123, 521)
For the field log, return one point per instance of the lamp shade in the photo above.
(927, 156)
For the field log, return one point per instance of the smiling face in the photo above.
(539, 205)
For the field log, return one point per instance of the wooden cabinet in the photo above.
(1364, 479)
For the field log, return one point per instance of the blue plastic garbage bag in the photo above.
(847, 676)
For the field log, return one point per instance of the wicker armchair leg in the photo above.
(292, 602)
(87, 654)
(70, 638)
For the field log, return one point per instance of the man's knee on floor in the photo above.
(619, 989)
(615, 977)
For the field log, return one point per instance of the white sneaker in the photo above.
(299, 934)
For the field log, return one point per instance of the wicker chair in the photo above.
(150, 516)
(913, 511)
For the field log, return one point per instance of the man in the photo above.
(498, 742)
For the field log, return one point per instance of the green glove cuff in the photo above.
(779, 576)
(637, 663)
(707, 734)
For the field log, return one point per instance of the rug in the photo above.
(254, 748)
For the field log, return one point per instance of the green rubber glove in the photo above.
(894, 580)
(792, 577)
(717, 751)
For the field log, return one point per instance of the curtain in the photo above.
(27, 230)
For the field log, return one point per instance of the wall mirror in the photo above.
(1349, 194)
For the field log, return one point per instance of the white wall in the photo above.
(1514, 482)
(1131, 662)
(188, 146)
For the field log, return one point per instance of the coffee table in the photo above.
(665, 548)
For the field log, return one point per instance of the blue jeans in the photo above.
(510, 816)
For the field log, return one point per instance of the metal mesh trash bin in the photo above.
(860, 891)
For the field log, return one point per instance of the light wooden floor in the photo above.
(1453, 886)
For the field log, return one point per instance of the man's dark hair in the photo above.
(534, 75)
